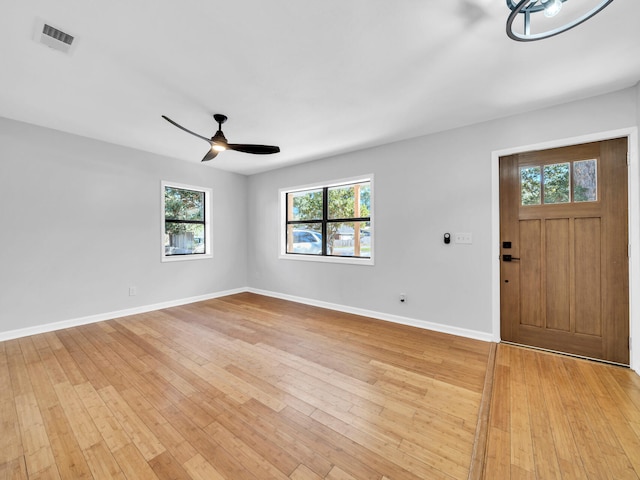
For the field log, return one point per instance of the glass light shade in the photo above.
(552, 8)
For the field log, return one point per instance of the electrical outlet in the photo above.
(403, 298)
(463, 238)
(133, 291)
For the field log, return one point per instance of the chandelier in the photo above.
(548, 8)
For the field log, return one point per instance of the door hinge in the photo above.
(628, 159)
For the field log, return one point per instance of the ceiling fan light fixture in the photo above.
(218, 143)
(551, 7)
(528, 10)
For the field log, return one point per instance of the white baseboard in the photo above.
(413, 322)
(50, 327)
(438, 327)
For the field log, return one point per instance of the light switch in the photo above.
(463, 238)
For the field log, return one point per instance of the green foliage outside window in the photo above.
(342, 201)
(180, 204)
(306, 205)
(530, 185)
(556, 183)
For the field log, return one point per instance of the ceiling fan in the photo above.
(219, 142)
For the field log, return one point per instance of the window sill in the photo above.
(185, 258)
(326, 259)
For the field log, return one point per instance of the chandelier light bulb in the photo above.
(552, 8)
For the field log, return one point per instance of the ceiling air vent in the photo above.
(53, 38)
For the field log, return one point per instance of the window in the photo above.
(329, 223)
(186, 232)
(559, 183)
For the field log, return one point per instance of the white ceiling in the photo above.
(316, 78)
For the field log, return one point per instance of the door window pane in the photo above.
(530, 185)
(556, 183)
(585, 181)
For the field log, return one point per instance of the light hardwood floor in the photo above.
(243, 387)
(250, 387)
(557, 417)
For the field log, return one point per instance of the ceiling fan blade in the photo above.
(186, 129)
(211, 154)
(255, 149)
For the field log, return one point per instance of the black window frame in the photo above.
(324, 221)
(205, 222)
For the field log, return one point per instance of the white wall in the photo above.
(423, 188)
(80, 223)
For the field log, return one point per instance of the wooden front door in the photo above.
(564, 281)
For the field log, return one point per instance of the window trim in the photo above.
(283, 255)
(208, 192)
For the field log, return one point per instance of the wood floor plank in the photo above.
(132, 425)
(350, 455)
(337, 473)
(102, 463)
(610, 457)
(106, 423)
(133, 464)
(20, 380)
(163, 430)
(545, 450)
(569, 461)
(86, 432)
(522, 452)
(254, 434)
(36, 442)
(11, 438)
(221, 459)
(302, 472)
(269, 425)
(406, 459)
(49, 473)
(200, 469)
(245, 453)
(84, 362)
(69, 459)
(497, 460)
(14, 470)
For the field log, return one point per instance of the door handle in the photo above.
(509, 258)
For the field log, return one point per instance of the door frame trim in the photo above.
(633, 221)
